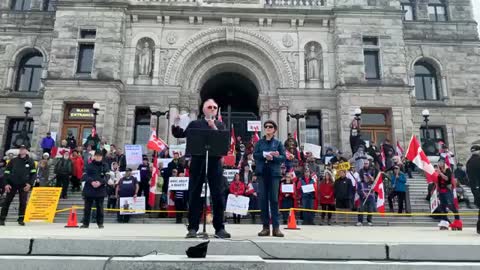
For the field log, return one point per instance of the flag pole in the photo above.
(373, 185)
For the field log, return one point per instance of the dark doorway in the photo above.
(237, 92)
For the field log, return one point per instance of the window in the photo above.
(313, 127)
(49, 5)
(437, 12)
(21, 5)
(142, 129)
(431, 139)
(376, 119)
(371, 58)
(15, 126)
(408, 12)
(29, 73)
(88, 33)
(426, 86)
(85, 58)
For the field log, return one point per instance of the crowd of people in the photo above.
(80, 168)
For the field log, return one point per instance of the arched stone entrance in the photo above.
(235, 93)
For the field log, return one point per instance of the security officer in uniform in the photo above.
(473, 173)
(20, 177)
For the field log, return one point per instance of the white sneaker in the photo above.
(359, 224)
(370, 224)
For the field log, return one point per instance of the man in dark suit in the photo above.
(197, 175)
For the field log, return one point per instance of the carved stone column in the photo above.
(282, 120)
(173, 113)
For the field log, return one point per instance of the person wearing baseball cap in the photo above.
(473, 173)
(19, 176)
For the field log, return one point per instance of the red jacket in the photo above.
(77, 163)
(237, 188)
(326, 190)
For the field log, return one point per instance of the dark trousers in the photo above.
(401, 195)
(88, 209)
(62, 181)
(307, 203)
(75, 183)
(180, 205)
(327, 207)
(47, 150)
(236, 218)
(22, 196)
(268, 197)
(368, 206)
(216, 185)
(446, 200)
(145, 189)
(112, 203)
(287, 203)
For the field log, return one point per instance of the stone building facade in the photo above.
(322, 58)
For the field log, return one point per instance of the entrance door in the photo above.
(234, 91)
(80, 131)
(78, 119)
(376, 125)
(376, 135)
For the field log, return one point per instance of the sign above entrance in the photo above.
(80, 113)
(254, 125)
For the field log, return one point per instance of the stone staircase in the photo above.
(417, 188)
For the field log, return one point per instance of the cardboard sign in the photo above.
(132, 206)
(344, 166)
(177, 148)
(316, 150)
(135, 174)
(230, 174)
(178, 183)
(434, 202)
(254, 125)
(42, 204)
(287, 188)
(237, 205)
(308, 188)
(134, 155)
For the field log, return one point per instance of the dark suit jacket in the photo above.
(178, 132)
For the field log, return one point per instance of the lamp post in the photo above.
(297, 117)
(158, 114)
(426, 134)
(96, 108)
(23, 138)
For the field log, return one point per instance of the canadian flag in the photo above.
(378, 188)
(399, 150)
(232, 142)
(255, 137)
(171, 203)
(153, 181)
(295, 137)
(416, 155)
(155, 143)
(382, 156)
(454, 182)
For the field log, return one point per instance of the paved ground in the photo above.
(332, 234)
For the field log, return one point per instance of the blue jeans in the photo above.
(307, 203)
(369, 207)
(268, 198)
(446, 200)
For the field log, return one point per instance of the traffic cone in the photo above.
(292, 221)
(72, 219)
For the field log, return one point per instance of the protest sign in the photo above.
(180, 149)
(308, 188)
(237, 204)
(287, 188)
(230, 174)
(178, 183)
(132, 206)
(434, 202)
(134, 155)
(164, 161)
(42, 204)
(254, 125)
(344, 166)
(316, 150)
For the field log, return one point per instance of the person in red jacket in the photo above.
(327, 198)
(78, 164)
(286, 197)
(237, 188)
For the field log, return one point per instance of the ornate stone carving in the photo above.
(165, 56)
(144, 56)
(287, 40)
(312, 61)
(171, 38)
(292, 58)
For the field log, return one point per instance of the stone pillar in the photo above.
(172, 114)
(10, 76)
(303, 125)
(282, 121)
(325, 129)
(130, 125)
(156, 65)
(3, 131)
(444, 87)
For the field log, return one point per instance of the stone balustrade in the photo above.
(296, 3)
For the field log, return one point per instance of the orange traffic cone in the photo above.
(72, 219)
(292, 221)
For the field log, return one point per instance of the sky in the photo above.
(476, 11)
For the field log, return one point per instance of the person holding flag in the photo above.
(445, 193)
(367, 197)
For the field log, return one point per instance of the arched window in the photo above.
(426, 83)
(29, 73)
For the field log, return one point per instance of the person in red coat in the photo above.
(287, 198)
(78, 164)
(327, 198)
(237, 188)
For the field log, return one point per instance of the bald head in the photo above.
(210, 108)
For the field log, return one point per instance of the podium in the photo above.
(208, 143)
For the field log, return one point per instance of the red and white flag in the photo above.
(416, 155)
(378, 188)
(399, 150)
(155, 143)
(232, 141)
(220, 115)
(153, 181)
(383, 158)
(94, 132)
(255, 137)
(295, 137)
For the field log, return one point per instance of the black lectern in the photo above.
(207, 142)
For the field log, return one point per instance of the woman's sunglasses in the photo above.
(212, 107)
(268, 126)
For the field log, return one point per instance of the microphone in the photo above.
(212, 117)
